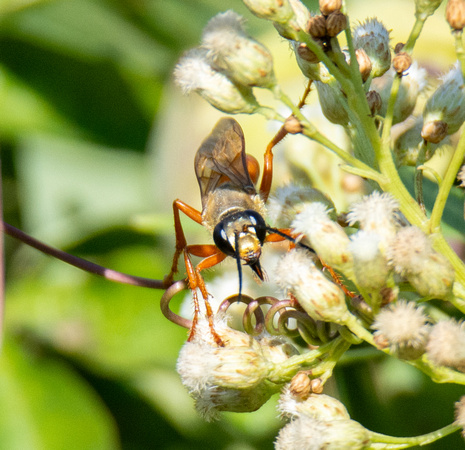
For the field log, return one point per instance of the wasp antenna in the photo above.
(239, 266)
(289, 238)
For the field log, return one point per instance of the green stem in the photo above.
(414, 34)
(392, 442)
(446, 185)
(439, 374)
(459, 51)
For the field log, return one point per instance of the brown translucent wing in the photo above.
(221, 158)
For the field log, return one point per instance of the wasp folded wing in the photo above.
(221, 158)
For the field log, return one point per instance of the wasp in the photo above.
(232, 210)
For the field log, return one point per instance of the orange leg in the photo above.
(265, 185)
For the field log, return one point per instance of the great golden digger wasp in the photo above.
(232, 210)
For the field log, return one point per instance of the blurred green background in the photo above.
(95, 144)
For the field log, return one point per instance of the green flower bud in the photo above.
(332, 101)
(276, 10)
(425, 8)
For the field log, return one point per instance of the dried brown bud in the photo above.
(306, 54)
(335, 23)
(374, 102)
(401, 62)
(292, 125)
(329, 6)
(398, 48)
(317, 26)
(300, 386)
(316, 386)
(455, 14)
(364, 63)
(434, 131)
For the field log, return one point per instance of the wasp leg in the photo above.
(212, 256)
(181, 243)
(265, 185)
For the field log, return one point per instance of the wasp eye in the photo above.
(221, 240)
(258, 223)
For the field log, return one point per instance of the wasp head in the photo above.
(241, 235)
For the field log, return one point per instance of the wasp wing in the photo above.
(221, 158)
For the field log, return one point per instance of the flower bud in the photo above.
(317, 26)
(455, 14)
(434, 131)
(425, 8)
(401, 62)
(446, 345)
(307, 433)
(331, 102)
(229, 378)
(300, 387)
(374, 102)
(371, 268)
(305, 53)
(448, 101)
(315, 406)
(335, 23)
(307, 61)
(276, 10)
(298, 21)
(412, 256)
(373, 37)
(364, 63)
(329, 6)
(292, 125)
(399, 47)
(194, 73)
(233, 52)
(405, 329)
(289, 200)
(412, 85)
(320, 298)
(376, 212)
(325, 236)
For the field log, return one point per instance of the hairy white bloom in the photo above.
(289, 200)
(376, 212)
(193, 73)
(304, 433)
(404, 327)
(446, 346)
(411, 254)
(229, 378)
(373, 37)
(319, 297)
(447, 103)
(232, 51)
(316, 406)
(371, 268)
(325, 236)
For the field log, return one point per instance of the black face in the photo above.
(230, 228)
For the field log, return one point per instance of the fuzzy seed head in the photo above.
(315, 406)
(448, 101)
(376, 212)
(373, 37)
(325, 236)
(319, 297)
(304, 433)
(231, 51)
(446, 346)
(404, 327)
(193, 73)
(371, 268)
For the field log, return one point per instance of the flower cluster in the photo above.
(380, 272)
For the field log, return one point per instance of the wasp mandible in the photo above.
(232, 210)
